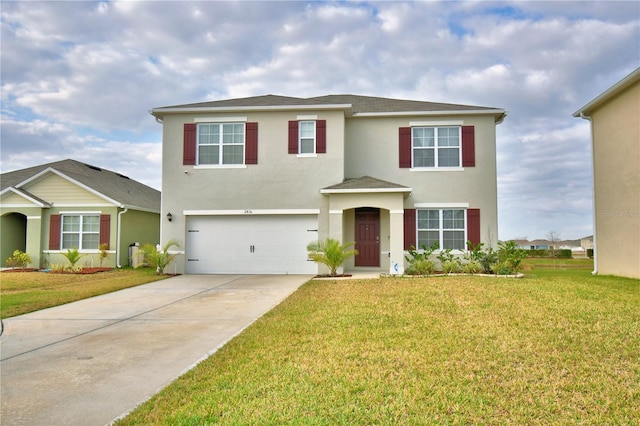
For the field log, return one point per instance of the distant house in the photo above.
(615, 140)
(47, 209)
(250, 182)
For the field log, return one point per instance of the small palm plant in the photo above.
(330, 253)
(73, 256)
(159, 258)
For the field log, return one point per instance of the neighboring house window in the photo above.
(450, 228)
(308, 137)
(436, 146)
(81, 232)
(84, 232)
(220, 144)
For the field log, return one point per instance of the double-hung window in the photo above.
(447, 227)
(436, 146)
(221, 143)
(81, 231)
(307, 137)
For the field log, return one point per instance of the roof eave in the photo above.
(364, 190)
(621, 85)
(498, 113)
(159, 112)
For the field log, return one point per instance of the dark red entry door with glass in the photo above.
(367, 237)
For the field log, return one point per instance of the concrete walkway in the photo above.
(90, 362)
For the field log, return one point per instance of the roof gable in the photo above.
(110, 186)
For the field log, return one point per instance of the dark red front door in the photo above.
(367, 237)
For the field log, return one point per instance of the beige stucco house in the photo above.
(47, 209)
(250, 182)
(615, 134)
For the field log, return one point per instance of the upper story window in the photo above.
(221, 143)
(307, 137)
(80, 231)
(447, 227)
(436, 146)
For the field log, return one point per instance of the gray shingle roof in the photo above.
(365, 183)
(118, 187)
(359, 104)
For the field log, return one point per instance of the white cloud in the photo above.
(85, 74)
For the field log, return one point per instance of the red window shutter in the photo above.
(251, 143)
(293, 137)
(473, 226)
(189, 147)
(105, 229)
(405, 147)
(409, 228)
(54, 232)
(321, 136)
(468, 146)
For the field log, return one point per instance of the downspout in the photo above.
(593, 193)
(118, 237)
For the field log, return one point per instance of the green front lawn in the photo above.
(551, 348)
(24, 292)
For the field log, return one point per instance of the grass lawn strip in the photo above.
(24, 292)
(453, 350)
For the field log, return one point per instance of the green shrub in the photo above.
(590, 253)
(419, 260)
(538, 253)
(488, 258)
(451, 266)
(73, 256)
(421, 266)
(19, 259)
(330, 253)
(564, 254)
(472, 267)
(159, 259)
(509, 258)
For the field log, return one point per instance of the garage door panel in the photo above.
(250, 244)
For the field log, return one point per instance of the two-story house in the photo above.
(248, 183)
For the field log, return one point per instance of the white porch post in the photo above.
(335, 229)
(396, 243)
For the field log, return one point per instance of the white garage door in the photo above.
(250, 244)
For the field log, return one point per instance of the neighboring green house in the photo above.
(47, 209)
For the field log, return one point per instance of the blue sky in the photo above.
(78, 78)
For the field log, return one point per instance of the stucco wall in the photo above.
(372, 149)
(616, 156)
(279, 180)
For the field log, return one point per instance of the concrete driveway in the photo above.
(92, 361)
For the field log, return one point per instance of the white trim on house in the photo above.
(219, 119)
(23, 195)
(364, 190)
(249, 212)
(184, 110)
(443, 123)
(307, 117)
(428, 113)
(441, 205)
(436, 169)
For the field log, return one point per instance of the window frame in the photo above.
(436, 147)
(314, 138)
(441, 228)
(80, 232)
(221, 143)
